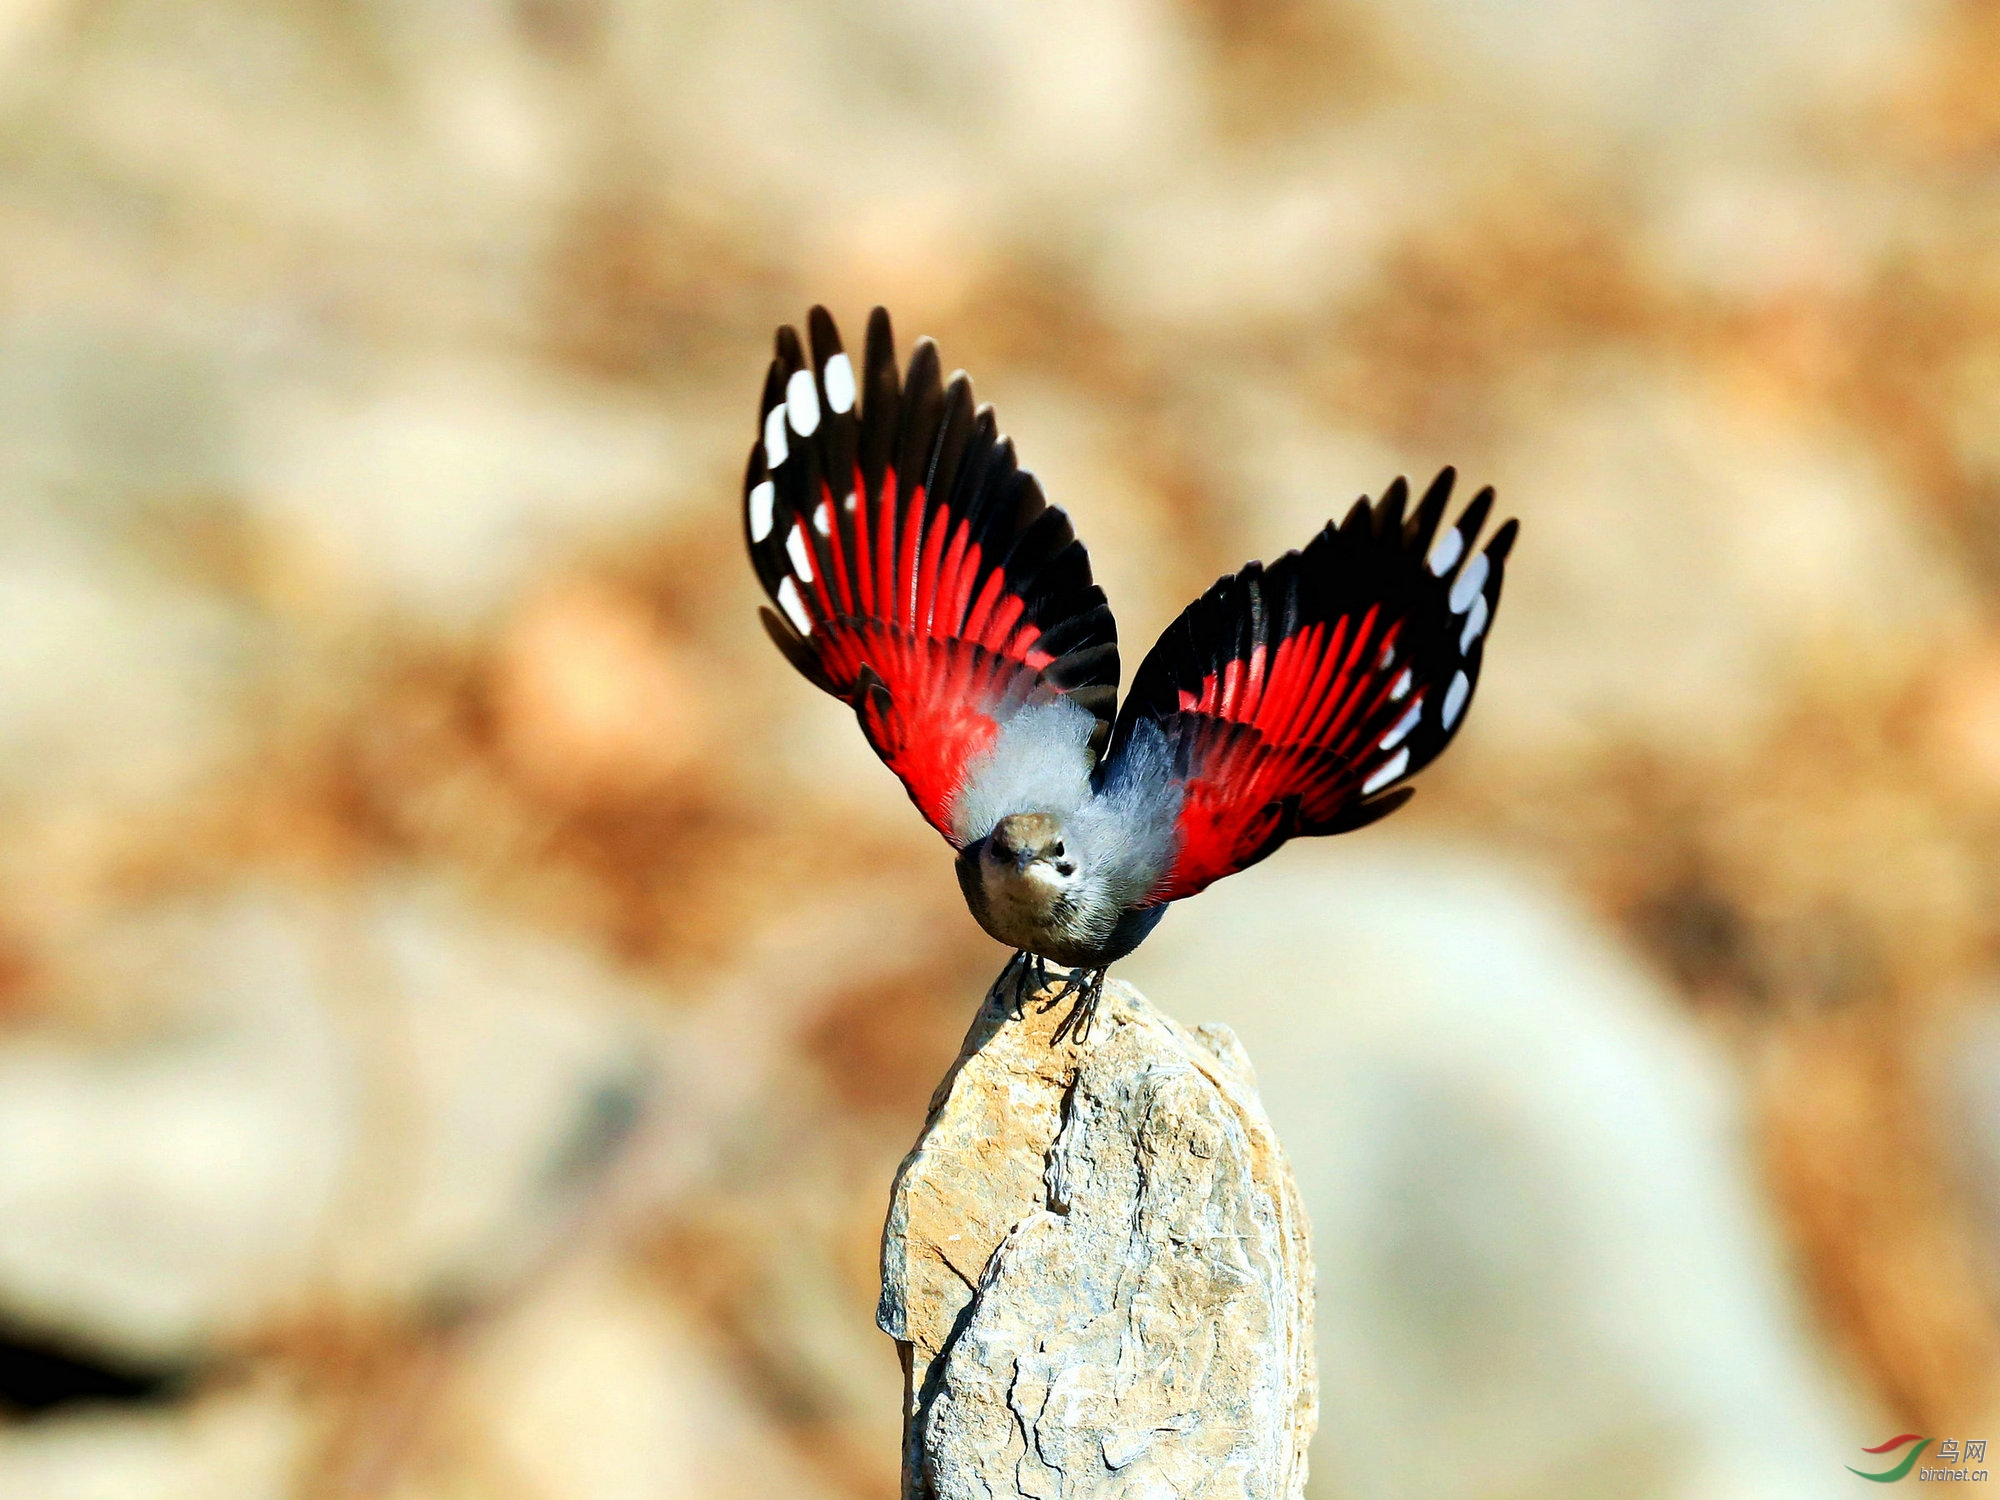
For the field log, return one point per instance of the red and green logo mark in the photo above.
(1909, 1461)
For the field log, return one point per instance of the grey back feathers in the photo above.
(1130, 827)
(1041, 762)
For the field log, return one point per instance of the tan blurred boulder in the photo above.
(244, 1442)
(1098, 1269)
(294, 1105)
(597, 1387)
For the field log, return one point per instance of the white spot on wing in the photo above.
(1454, 698)
(1403, 726)
(1391, 769)
(1401, 688)
(802, 401)
(823, 519)
(1446, 552)
(762, 494)
(801, 555)
(839, 379)
(789, 601)
(1470, 582)
(1475, 622)
(1388, 655)
(775, 446)
(848, 504)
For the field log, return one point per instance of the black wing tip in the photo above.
(1361, 814)
(1388, 512)
(790, 352)
(824, 335)
(1384, 520)
(1421, 529)
(878, 352)
(774, 390)
(765, 551)
(795, 650)
(1473, 518)
(1367, 523)
(924, 352)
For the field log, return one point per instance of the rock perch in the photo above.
(1098, 1271)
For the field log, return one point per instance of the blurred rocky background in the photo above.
(462, 998)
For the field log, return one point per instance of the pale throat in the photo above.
(1020, 900)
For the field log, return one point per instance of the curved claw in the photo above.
(1024, 968)
(1087, 988)
(1083, 988)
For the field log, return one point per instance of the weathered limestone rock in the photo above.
(1098, 1270)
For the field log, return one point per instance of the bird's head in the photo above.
(1039, 880)
(1029, 846)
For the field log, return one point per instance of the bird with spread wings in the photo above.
(916, 572)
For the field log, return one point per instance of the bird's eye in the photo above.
(1057, 851)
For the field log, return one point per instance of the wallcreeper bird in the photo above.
(920, 577)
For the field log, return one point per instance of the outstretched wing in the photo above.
(917, 571)
(1295, 698)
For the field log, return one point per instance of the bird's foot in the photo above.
(1025, 974)
(1083, 988)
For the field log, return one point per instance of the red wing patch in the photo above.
(1297, 697)
(917, 571)
(932, 706)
